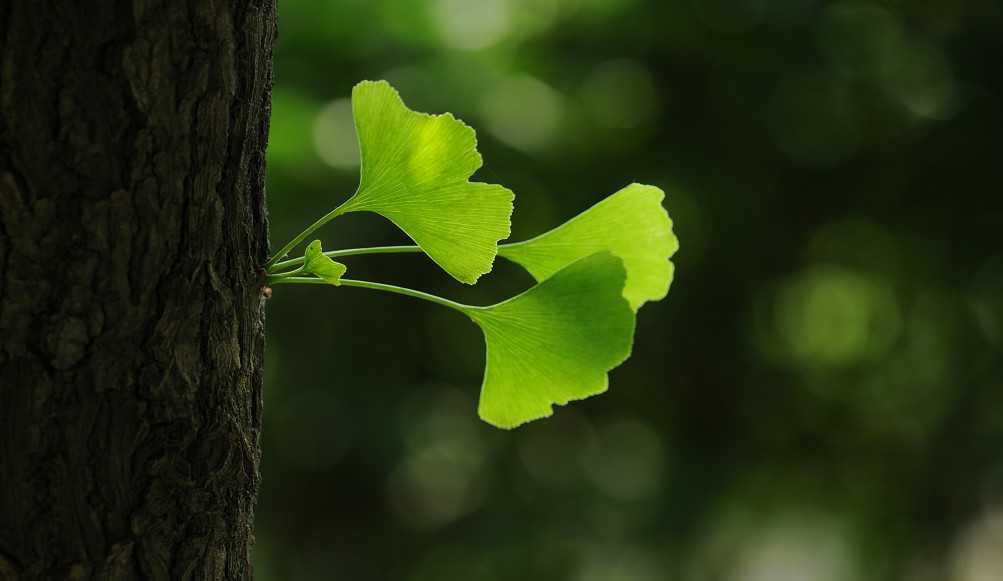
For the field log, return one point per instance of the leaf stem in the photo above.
(271, 264)
(381, 287)
(352, 252)
(276, 276)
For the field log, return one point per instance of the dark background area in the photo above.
(820, 397)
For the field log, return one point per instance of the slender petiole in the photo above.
(276, 276)
(403, 249)
(271, 264)
(380, 287)
(351, 252)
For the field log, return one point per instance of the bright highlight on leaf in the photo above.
(322, 266)
(415, 169)
(555, 342)
(632, 224)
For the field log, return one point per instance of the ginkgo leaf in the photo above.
(555, 342)
(415, 172)
(631, 223)
(316, 263)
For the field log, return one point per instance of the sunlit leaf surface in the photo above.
(415, 171)
(631, 223)
(555, 342)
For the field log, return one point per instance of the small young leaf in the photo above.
(415, 169)
(322, 266)
(631, 223)
(555, 342)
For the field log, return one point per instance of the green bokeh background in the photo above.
(820, 397)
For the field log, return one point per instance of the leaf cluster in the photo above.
(554, 342)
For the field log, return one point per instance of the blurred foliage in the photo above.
(820, 396)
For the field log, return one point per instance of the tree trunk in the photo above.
(132, 218)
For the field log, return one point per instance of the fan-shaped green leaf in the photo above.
(415, 169)
(631, 223)
(555, 342)
(322, 266)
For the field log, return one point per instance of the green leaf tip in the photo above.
(631, 224)
(415, 172)
(555, 342)
(316, 263)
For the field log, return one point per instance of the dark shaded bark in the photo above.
(132, 218)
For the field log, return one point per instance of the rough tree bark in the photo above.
(132, 218)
